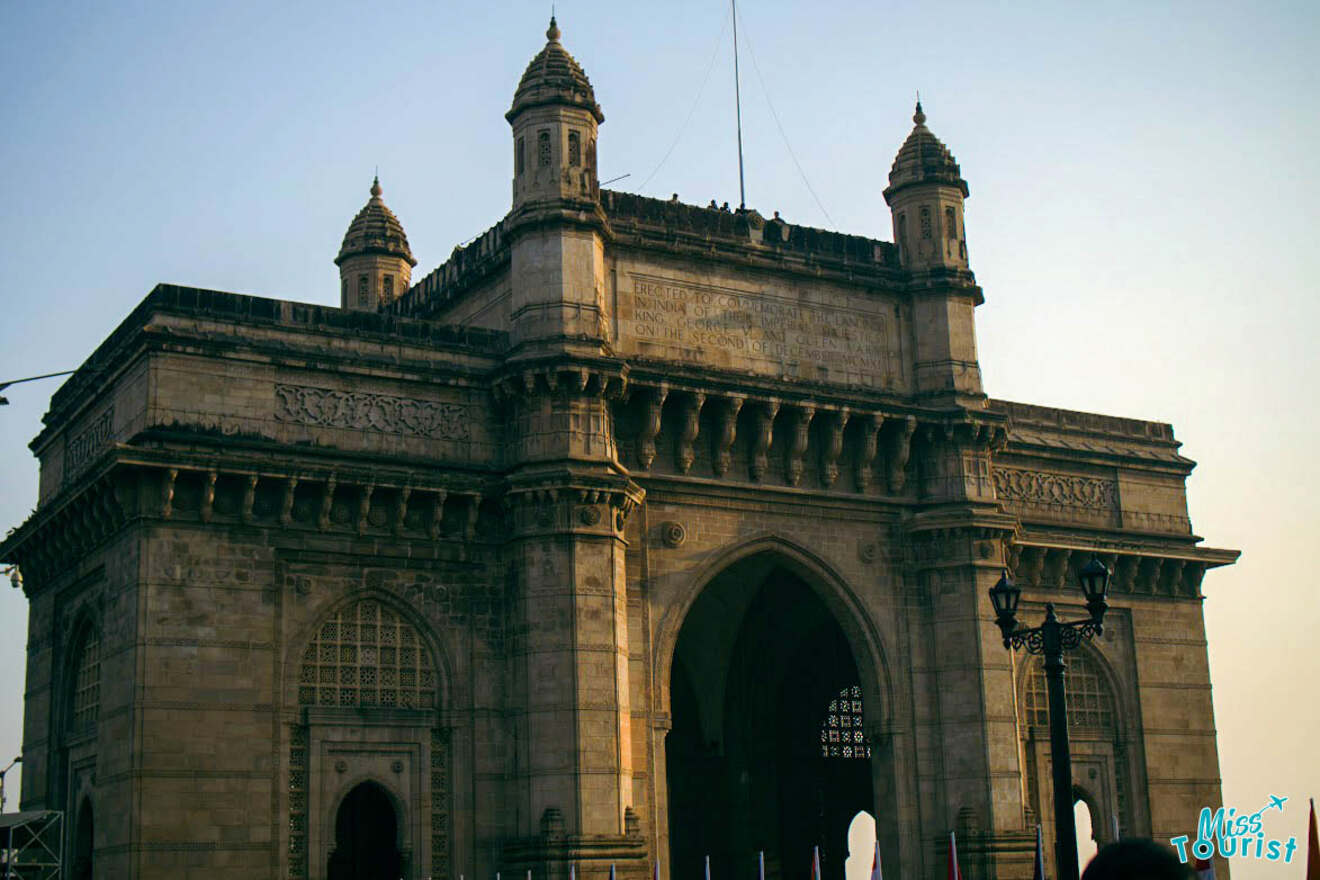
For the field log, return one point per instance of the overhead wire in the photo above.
(771, 104)
(697, 100)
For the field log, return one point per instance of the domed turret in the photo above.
(554, 118)
(925, 195)
(375, 262)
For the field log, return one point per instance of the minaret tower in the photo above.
(556, 226)
(375, 262)
(568, 498)
(925, 195)
(554, 118)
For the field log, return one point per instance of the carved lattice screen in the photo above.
(1090, 704)
(86, 697)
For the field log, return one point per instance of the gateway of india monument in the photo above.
(635, 532)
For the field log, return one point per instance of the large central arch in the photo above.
(766, 647)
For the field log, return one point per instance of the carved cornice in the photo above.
(1172, 574)
(141, 489)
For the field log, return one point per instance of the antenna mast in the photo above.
(737, 97)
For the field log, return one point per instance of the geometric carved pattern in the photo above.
(1086, 691)
(298, 803)
(366, 655)
(439, 804)
(841, 733)
(86, 702)
(370, 412)
(1065, 490)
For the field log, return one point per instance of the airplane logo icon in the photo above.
(1276, 801)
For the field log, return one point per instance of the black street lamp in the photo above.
(17, 760)
(1050, 640)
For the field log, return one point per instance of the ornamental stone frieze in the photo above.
(1031, 487)
(363, 411)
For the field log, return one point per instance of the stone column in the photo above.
(568, 503)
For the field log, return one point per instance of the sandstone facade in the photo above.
(634, 532)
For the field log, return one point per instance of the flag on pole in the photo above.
(875, 863)
(572, 872)
(953, 873)
(815, 863)
(1039, 872)
(1312, 848)
(1204, 869)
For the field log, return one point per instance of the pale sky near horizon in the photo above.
(1142, 214)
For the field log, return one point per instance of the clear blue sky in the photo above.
(1142, 215)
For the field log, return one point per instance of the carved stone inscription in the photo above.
(844, 340)
(80, 448)
(370, 412)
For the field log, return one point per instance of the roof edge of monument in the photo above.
(670, 225)
(72, 395)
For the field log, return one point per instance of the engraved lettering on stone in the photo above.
(370, 412)
(771, 333)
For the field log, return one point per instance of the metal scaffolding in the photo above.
(33, 841)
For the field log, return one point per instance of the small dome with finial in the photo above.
(375, 230)
(554, 77)
(923, 159)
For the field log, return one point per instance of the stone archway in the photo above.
(759, 668)
(366, 843)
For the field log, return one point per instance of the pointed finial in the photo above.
(919, 117)
(552, 33)
(375, 187)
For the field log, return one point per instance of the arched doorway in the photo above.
(82, 843)
(366, 837)
(764, 693)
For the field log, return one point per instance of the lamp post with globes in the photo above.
(17, 760)
(1051, 639)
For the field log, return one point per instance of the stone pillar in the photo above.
(568, 503)
(958, 541)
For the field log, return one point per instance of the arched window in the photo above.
(841, 733)
(925, 222)
(85, 698)
(366, 655)
(543, 149)
(950, 224)
(902, 235)
(1090, 704)
(387, 290)
(362, 290)
(518, 156)
(574, 149)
